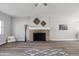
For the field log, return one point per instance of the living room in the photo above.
(39, 26)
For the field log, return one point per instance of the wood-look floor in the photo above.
(71, 47)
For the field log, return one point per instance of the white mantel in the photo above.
(39, 28)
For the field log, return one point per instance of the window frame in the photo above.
(0, 27)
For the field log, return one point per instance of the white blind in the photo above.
(0, 27)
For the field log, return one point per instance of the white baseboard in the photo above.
(55, 40)
(63, 40)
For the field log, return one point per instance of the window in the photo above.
(77, 25)
(0, 27)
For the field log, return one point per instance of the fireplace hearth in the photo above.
(39, 36)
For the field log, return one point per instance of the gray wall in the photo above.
(69, 34)
(7, 26)
(18, 25)
(52, 22)
(55, 14)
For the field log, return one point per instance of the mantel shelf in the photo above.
(39, 28)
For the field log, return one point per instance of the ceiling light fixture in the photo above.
(37, 4)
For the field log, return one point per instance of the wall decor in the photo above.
(36, 21)
(63, 27)
(43, 23)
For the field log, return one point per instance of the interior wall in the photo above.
(19, 22)
(7, 27)
(52, 22)
(55, 14)
(60, 14)
(69, 34)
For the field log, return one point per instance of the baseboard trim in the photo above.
(58, 40)
(64, 40)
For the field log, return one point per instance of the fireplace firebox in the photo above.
(39, 36)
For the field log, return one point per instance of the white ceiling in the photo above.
(28, 9)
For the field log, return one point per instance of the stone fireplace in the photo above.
(39, 34)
